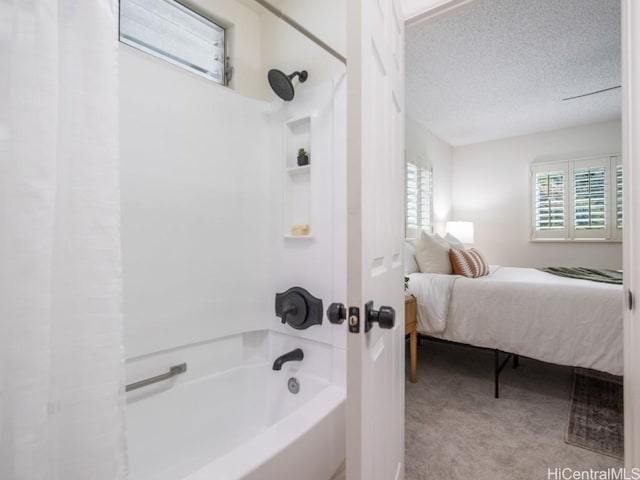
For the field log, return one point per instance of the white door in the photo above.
(375, 220)
(631, 253)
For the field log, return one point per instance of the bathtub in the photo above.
(242, 422)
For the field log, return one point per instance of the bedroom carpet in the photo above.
(596, 413)
(455, 429)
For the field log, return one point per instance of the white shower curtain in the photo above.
(61, 354)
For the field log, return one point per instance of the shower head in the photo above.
(282, 84)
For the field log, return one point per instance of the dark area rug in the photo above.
(596, 413)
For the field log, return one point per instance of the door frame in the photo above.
(630, 43)
(631, 261)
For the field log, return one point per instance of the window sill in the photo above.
(573, 240)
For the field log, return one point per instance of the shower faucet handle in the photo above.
(298, 308)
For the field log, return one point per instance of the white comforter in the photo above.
(528, 312)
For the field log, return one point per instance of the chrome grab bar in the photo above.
(173, 371)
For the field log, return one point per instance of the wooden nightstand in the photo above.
(411, 328)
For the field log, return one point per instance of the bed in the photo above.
(524, 311)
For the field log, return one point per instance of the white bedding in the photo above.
(527, 312)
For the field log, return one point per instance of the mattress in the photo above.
(528, 312)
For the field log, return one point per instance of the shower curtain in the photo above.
(61, 351)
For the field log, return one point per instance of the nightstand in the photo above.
(411, 328)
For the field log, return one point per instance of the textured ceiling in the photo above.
(499, 68)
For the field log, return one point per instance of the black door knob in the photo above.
(337, 313)
(386, 316)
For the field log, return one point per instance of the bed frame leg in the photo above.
(496, 372)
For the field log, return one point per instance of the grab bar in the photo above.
(173, 371)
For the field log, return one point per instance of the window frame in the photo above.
(182, 63)
(569, 233)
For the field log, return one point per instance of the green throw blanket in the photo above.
(594, 274)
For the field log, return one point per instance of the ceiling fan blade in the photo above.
(592, 93)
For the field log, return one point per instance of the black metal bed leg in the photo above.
(496, 372)
(516, 361)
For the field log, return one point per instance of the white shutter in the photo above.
(418, 199)
(426, 198)
(549, 201)
(411, 200)
(578, 199)
(616, 167)
(590, 198)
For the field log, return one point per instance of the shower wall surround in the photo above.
(317, 262)
(202, 170)
(196, 220)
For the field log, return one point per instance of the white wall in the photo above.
(286, 49)
(491, 188)
(427, 149)
(196, 216)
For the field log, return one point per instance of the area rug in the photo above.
(595, 415)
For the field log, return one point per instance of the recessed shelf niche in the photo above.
(297, 179)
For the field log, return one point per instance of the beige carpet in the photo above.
(455, 429)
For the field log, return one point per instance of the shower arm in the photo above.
(287, 19)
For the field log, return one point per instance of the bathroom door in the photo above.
(375, 230)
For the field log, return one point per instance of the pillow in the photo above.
(410, 265)
(470, 263)
(432, 254)
(454, 242)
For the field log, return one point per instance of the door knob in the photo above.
(386, 316)
(337, 313)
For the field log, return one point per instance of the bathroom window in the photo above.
(173, 32)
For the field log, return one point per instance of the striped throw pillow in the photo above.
(470, 263)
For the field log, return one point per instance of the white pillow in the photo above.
(432, 254)
(454, 242)
(410, 265)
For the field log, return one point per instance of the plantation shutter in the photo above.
(589, 209)
(619, 196)
(419, 199)
(549, 201)
(577, 199)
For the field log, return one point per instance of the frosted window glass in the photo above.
(169, 30)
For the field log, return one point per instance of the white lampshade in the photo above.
(463, 231)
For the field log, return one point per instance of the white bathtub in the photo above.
(241, 423)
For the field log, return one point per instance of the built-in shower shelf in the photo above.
(288, 235)
(297, 179)
(299, 170)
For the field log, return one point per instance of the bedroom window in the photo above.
(169, 30)
(418, 199)
(577, 199)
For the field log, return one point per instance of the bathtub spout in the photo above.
(296, 354)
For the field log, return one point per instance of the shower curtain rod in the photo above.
(301, 29)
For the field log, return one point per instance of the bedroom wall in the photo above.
(491, 188)
(427, 149)
(195, 207)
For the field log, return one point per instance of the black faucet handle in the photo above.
(298, 308)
